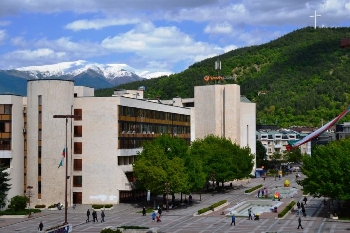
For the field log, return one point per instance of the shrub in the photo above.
(108, 230)
(52, 206)
(40, 206)
(98, 206)
(201, 211)
(253, 189)
(18, 203)
(288, 207)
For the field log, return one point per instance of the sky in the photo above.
(153, 35)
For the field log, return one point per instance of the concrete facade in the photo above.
(103, 141)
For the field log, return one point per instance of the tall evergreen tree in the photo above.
(4, 185)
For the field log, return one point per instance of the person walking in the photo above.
(154, 216)
(233, 218)
(160, 212)
(303, 210)
(102, 216)
(144, 211)
(258, 193)
(88, 215)
(94, 216)
(299, 221)
(41, 226)
(250, 217)
(305, 200)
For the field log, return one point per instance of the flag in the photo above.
(63, 157)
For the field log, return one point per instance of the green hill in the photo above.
(299, 79)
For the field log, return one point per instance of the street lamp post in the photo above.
(167, 189)
(29, 194)
(67, 177)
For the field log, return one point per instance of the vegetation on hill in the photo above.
(298, 79)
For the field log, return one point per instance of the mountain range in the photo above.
(82, 72)
(299, 79)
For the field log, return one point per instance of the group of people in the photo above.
(263, 192)
(301, 207)
(94, 216)
(155, 214)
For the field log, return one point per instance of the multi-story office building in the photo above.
(104, 136)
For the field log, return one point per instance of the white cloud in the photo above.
(223, 28)
(3, 36)
(99, 23)
(4, 23)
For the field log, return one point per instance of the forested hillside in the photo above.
(299, 79)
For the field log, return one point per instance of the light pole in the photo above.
(67, 177)
(167, 189)
(29, 188)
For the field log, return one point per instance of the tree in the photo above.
(294, 155)
(162, 161)
(4, 186)
(221, 159)
(18, 203)
(260, 154)
(327, 171)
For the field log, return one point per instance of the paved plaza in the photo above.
(184, 220)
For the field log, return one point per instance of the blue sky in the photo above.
(154, 35)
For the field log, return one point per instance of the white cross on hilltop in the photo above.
(315, 16)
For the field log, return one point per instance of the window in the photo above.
(78, 147)
(5, 108)
(39, 187)
(39, 169)
(78, 131)
(39, 152)
(5, 127)
(78, 164)
(78, 112)
(77, 181)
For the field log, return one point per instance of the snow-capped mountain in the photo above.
(83, 73)
(109, 71)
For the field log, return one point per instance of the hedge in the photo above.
(102, 206)
(40, 206)
(201, 211)
(288, 208)
(21, 212)
(253, 189)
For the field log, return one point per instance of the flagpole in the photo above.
(66, 155)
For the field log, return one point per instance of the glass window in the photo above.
(78, 112)
(78, 131)
(78, 147)
(77, 181)
(78, 164)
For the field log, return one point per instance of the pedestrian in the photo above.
(160, 212)
(102, 216)
(41, 226)
(324, 202)
(258, 193)
(250, 217)
(304, 212)
(88, 215)
(190, 199)
(298, 204)
(233, 220)
(262, 192)
(305, 200)
(144, 211)
(94, 216)
(299, 221)
(154, 216)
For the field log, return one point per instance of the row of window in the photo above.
(135, 127)
(6, 109)
(152, 114)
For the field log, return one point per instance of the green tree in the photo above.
(293, 155)
(18, 203)
(4, 186)
(260, 154)
(162, 161)
(327, 171)
(221, 159)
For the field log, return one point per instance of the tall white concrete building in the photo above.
(105, 136)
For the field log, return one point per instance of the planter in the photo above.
(214, 209)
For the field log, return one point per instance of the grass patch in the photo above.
(201, 211)
(253, 189)
(150, 210)
(288, 208)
